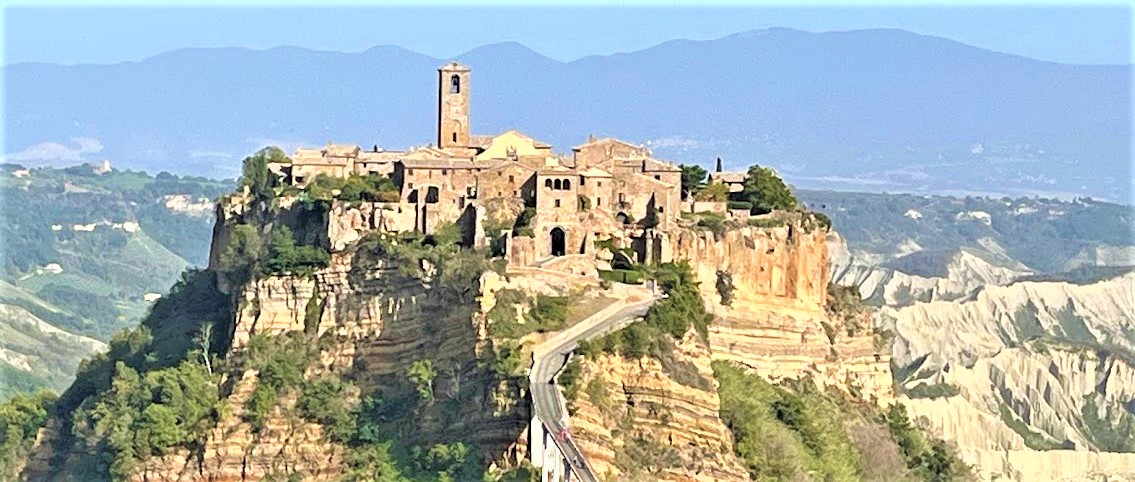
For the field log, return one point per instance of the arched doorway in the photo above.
(558, 242)
(622, 218)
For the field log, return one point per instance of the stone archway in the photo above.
(559, 241)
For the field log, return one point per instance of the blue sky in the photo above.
(84, 34)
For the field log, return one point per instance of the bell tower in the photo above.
(453, 105)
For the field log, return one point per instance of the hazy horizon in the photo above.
(1097, 35)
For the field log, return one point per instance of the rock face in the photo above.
(637, 414)
(1032, 365)
(919, 276)
(776, 323)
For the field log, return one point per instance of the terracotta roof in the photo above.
(654, 165)
(383, 156)
(729, 177)
(607, 140)
(637, 177)
(448, 163)
(341, 150)
(594, 172)
(481, 141)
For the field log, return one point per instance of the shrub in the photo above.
(712, 221)
(625, 276)
(725, 287)
(740, 205)
(784, 435)
(937, 390)
(713, 192)
(323, 401)
(765, 222)
(584, 203)
(285, 257)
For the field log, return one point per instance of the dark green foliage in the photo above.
(523, 225)
(627, 276)
(284, 256)
(1109, 435)
(1033, 439)
(746, 205)
(20, 418)
(712, 221)
(682, 306)
(280, 361)
(783, 435)
(937, 390)
(766, 191)
(323, 401)
(545, 313)
(693, 179)
(929, 459)
(568, 379)
(241, 253)
(667, 320)
(724, 287)
(354, 188)
(165, 338)
(765, 222)
(255, 175)
(145, 416)
(458, 270)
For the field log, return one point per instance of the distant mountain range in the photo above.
(879, 110)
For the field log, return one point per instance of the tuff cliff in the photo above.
(381, 304)
(776, 321)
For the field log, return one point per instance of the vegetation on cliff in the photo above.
(20, 418)
(666, 322)
(794, 430)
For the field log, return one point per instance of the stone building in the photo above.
(604, 182)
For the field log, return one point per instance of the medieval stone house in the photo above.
(604, 182)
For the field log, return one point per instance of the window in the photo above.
(557, 203)
(600, 183)
(299, 179)
(444, 172)
(411, 185)
(454, 137)
(510, 179)
(567, 184)
(558, 185)
(581, 180)
(455, 84)
(410, 172)
(658, 177)
(548, 183)
(598, 201)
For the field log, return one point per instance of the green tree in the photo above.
(422, 373)
(693, 179)
(255, 174)
(713, 192)
(241, 252)
(767, 191)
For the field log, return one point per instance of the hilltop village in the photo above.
(564, 202)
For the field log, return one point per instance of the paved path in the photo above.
(551, 356)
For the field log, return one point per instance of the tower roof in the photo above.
(453, 66)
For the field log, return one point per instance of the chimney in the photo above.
(718, 165)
